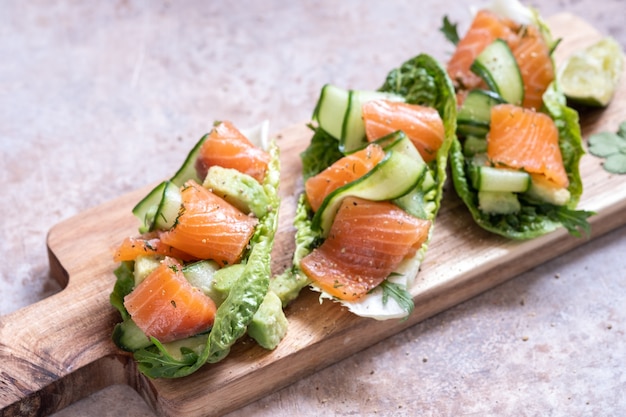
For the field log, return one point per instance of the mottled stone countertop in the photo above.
(99, 98)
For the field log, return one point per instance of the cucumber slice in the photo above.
(201, 275)
(330, 110)
(187, 171)
(353, 128)
(485, 178)
(473, 145)
(391, 178)
(338, 112)
(497, 66)
(129, 337)
(542, 190)
(498, 202)
(146, 209)
(475, 114)
(417, 201)
(169, 207)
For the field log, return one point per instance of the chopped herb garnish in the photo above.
(449, 30)
(398, 293)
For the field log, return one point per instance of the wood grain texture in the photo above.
(59, 350)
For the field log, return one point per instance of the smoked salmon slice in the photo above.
(422, 124)
(535, 64)
(484, 29)
(521, 138)
(208, 227)
(227, 147)
(367, 241)
(166, 306)
(342, 172)
(132, 247)
(527, 44)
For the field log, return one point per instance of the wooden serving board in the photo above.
(59, 350)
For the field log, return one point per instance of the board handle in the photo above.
(59, 350)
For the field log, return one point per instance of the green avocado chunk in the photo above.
(269, 323)
(239, 189)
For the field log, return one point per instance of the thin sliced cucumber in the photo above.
(417, 201)
(497, 66)
(338, 112)
(391, 178)
(486, 178)
(330, 110)
(473, 145)
(146, 209)
(201, 275)
(128, 336)
(187, 171)
(353, 129)
(498, 202)
(169, 207)
(542, 190)
(475, 113)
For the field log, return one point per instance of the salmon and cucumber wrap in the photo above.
(515, 161)
(195, 277)
(373, 177)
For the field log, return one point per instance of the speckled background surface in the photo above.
(100, 98)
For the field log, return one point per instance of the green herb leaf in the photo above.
(156, 362)
(575, 221)
(398, 293)
(449, 30)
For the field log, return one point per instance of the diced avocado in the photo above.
(498, 202)
(144, 265)
(239, 189)
(224, 279)
(269, 324)
(287, 285)
(547, 192)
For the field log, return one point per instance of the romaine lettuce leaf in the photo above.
(236, 312)
(535, 218)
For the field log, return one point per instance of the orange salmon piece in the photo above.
(533, 58)
(208, 227)
(227, 147)
(342, 172)
(367, 241)
(166, 306)
(521, 138)
(484, 29)
(132, 247)
(422, 124)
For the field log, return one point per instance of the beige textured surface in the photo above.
(97, 99)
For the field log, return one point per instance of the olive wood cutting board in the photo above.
(59, 350)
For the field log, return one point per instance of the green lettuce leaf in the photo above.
(420, 80)
(535, 218)
(236, 312)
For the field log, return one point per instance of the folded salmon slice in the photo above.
(366, 243)
(422, 124)
(227, 147)
(208, 227)
(525, 139)
(342, 172)
(166, 306)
